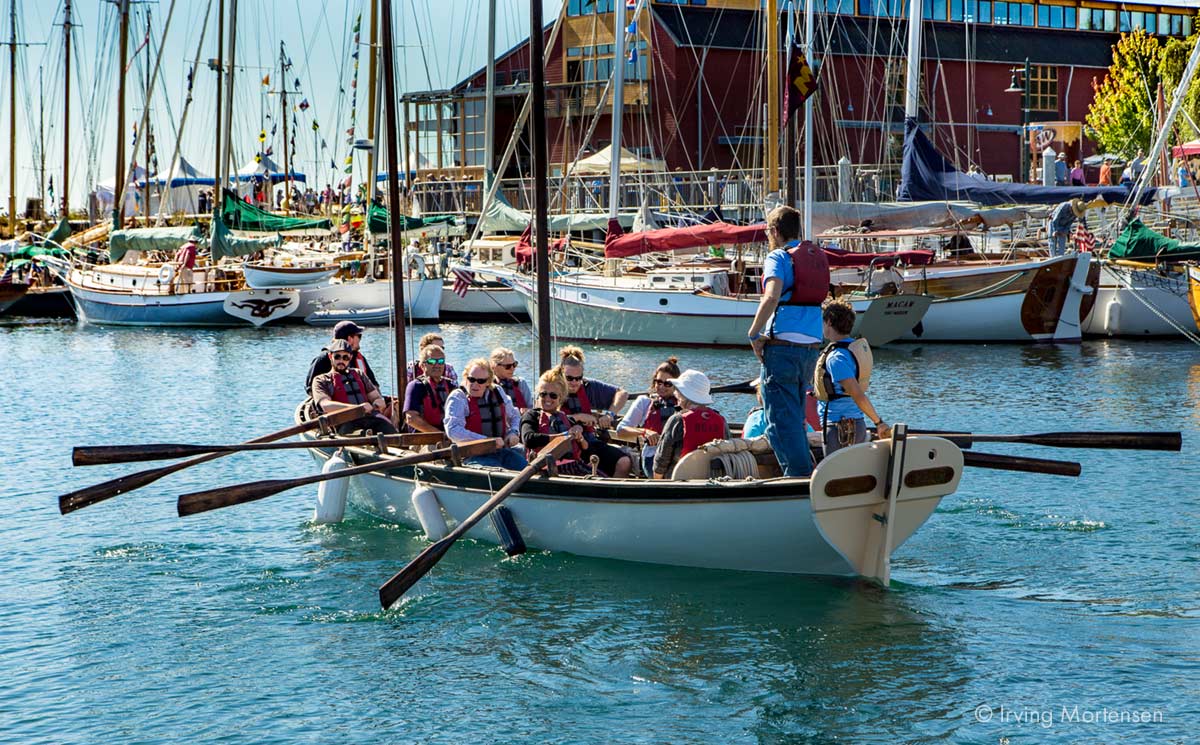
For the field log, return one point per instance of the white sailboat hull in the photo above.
(422, 298)
(498, 302)
(1139, 303)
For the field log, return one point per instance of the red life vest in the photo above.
(512, 387)
(810, 275)
(660, 411)
(544, 427)
(584, 406)
(434, 403)
(339, 387)
(700, 427)
(475, 416)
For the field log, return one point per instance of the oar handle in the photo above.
(227, 496)
(394, 588)
(1019, 463)
(105, 454)
(743, 387)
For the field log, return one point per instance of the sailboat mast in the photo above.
(226, 135)
(393, 187)
(283, 111)
(618, 109)
(118, 214)
(218, 182)
(810, 183)
(12, 119)
(541, 163)
(912, 99)
(372, 104)
(146, 123)
(771, 146)
(66, 153)
(489, 105)
(41, 139)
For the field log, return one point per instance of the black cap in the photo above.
(338, 345)
(345, 329)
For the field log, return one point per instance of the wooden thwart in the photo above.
(394, 588)
(91, 495)
(105, 454)
(227, 496)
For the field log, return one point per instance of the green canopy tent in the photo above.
(238, 214)
(1139, 243)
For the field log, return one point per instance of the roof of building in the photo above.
(738, 29)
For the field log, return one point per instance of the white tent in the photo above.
(600, 163)
(133, 196)
(178, 190)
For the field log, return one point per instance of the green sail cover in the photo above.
(32, 252)
(240, 215)
(121, 242)
(226, 244)
(60, 233)
(1139, 243)
(377, 220)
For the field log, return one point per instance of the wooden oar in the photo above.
(394, 588)
(227, 496)
(1018, 463)
(104, 454)
(1172, 441)
(743, 387)
(91, 495)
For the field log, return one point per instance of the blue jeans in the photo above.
(786, 373)
(511, 458)
(1058, 243)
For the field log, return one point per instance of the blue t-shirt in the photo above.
(841, 365)
(796, 323)
(756, 424)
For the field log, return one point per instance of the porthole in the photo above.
(583, 296)
(662, 301)
(620, 299)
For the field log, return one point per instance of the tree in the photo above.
(1174, 60)
(1121, 117)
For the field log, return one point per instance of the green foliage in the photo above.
(1175, 57)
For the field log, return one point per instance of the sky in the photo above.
(439, 43)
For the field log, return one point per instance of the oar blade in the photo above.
(1165, 441)
(88, 496)
(106, 454)
(403, 580)
(1019, 463)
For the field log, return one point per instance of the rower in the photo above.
(840, 383)
(539, 425)
(504, 367)
(591, 403)
(479, 409)
(345, 387)
(687, 430)
(425, 397)
(414, 367)
(651, 411)
(351, 333)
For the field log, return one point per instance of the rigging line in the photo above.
(424, 57)
(187, 105)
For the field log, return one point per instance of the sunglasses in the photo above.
(548, 394)
(508, 366)
(435, 361)
(574, 378)
(667, 383)
(343, 356)
(479, 381)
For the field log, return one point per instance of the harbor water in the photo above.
(1030, 609)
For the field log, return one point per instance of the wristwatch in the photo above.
(755, 336)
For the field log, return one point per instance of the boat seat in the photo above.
(737, 458)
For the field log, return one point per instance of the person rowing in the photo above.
(650, 412)
(425, 397)
(504, 367)
(345, 387)
(539, 425)
(415, 370)
(479, 409)
(352, 333)
(591, 403)
(840, 381)
(697, 424)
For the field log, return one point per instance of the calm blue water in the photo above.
(1027, 607)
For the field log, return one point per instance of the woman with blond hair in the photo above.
(479, 409)
(540, 424)
(591, 403)
(504, 367)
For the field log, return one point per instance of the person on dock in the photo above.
(651, 411)
(504, 367)
(1061, 221)
(1060, 169)
(697, 424)
(345, 387)
(184, 279)
(479, 409)
(425, 397)
(1105, 173)
(786, 337)
(414, 367)
(351, 333)
(547, 419)
(840, 383)
(592, 403)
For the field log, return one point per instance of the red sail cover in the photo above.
(618, 246)
(843, 258)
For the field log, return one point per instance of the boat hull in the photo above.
(1139, 303)
(262, 277)
(496, 301)
(44, 302)
(422, 298)
(120, 309)
(10, 293)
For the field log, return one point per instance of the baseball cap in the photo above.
(345, 329)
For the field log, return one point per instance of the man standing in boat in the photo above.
(786, 335)
(345, 387)
(185, 265)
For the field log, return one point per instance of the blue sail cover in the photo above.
(926, 176)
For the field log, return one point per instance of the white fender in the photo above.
(429, 512)
(166, 273)
(331, 495)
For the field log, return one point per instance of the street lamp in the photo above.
(1020, 84)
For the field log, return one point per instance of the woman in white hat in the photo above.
(695, 425)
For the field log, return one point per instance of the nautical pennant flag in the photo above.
(801, 83)
(266, 79)
(631, 4)
(462, 281)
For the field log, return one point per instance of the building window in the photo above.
(473, 131)
(1043, 88)
(935, 10)
(841, 7)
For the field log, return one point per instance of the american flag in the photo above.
(1085, 240)
(462, 281)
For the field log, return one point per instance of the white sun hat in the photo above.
(694, 386)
